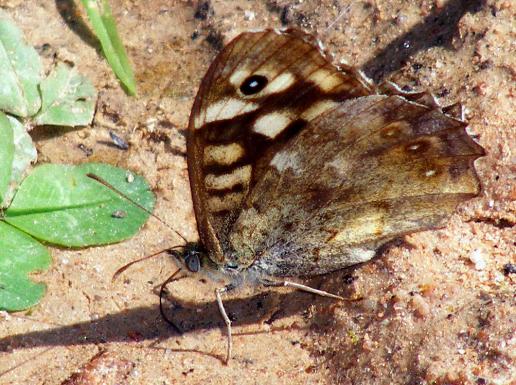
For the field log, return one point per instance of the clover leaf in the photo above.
(20, 72)
(20, 255)
(24, 154)
(57, 204)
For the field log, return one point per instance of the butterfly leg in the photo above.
(222, 310)
(302, 287)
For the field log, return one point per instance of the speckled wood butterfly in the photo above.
(299, 168)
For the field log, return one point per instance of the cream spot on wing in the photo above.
(430, 173)
(219, 182)
(318, 108)
(325, 79)
(213, 110)
(283, 161)
(280, 83)
(238, 77)
(271, 124)
(224, 154)
(228, 108)
(197, 120)
(395, 129)
(340, 165)
(359, 255)
(370, 225)
(227, 202)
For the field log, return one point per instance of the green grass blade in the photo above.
(101, 18)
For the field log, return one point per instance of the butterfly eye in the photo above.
(193, 263)
(253, 84)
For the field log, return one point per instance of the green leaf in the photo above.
(24, 154)
(99, 13)
(61, 205)
(68, 98)
(20, 255)
(20, 71)
(6, 154)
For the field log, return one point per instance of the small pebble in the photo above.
(118, 141)
(150, 124)
(509, 268)
(421, 306)
(94, 316)
(401, 19)
(477, 257)
(82, 134)
(249, 15)
(4, 315)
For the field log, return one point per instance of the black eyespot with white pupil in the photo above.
(253, 84)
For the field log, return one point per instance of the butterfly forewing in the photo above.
(259, 94)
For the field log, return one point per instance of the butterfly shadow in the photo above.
(437, 29)
(145, 323)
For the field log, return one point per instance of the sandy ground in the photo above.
(439, 308)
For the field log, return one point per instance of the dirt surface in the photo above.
(439, 307)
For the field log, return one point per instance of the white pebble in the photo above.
(4, 315)
(151, 124)
(249, 15)
(477, 257)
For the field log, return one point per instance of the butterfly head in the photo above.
(191, 256)
(194, 258)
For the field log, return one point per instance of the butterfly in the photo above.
(300, 168)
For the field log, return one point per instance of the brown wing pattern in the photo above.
(260, 92)
(370, 170)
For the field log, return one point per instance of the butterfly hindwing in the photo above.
(359, 175)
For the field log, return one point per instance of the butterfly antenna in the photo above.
(125, 267)
(112, 188)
